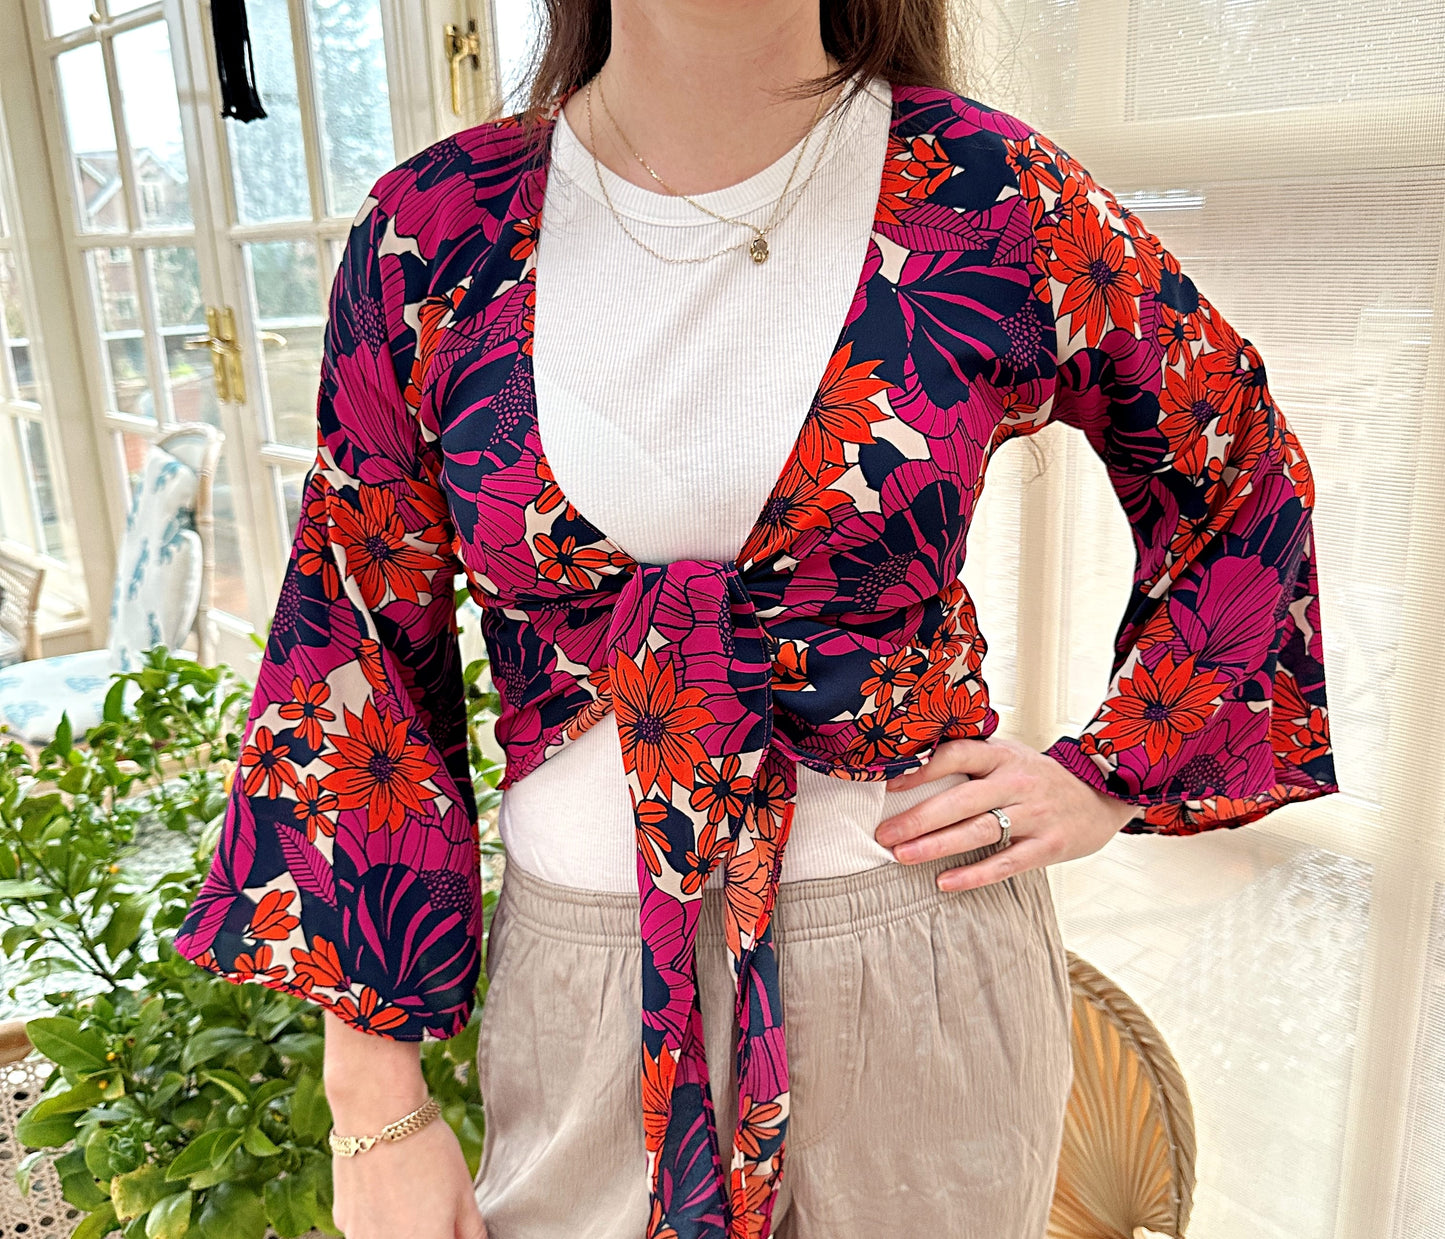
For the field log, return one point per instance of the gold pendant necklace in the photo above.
(757, 248)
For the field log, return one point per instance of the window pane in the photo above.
(268, 161)
(287, 305)
(41, 478)
(516, 23)
(86, 106)
(176, 279)
(68, 15)
(1207, 57)
(352, 96)
(230, 576)
(117, 310)
(20, 376)
(289, 479)
(153, 123)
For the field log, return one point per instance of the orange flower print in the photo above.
(526, 238)
(912, 169)
(720, 790)
(657, 722)
(943, 711)
(656, 1227)
(373, 666)
(378, 555)
(757, 1124)
(879, 736)
(320, 966)
(1191, 408)
(1092, 261)
(1159, 708)
(567, 561)
(258, 967)
(657, 1077)
(650, 835)
(551, 496)
(711, 847)
(307, 710)
(899, 670)
(264, 764)
(272, 919)
(1034, 167)
(378, 768)
(1298, 730)
(799, 501)
(748, 1193)
(433, 315)
(313, 558)
(314, 807)
(369, 1013)
(1177, 333)
(790, 666)
(844, 413)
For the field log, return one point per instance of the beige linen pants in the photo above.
(928, 1043)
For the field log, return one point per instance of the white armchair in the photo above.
(162, 593)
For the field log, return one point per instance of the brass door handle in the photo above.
(220, 341)
(461, 45)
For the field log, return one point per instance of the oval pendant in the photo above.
(758, 249)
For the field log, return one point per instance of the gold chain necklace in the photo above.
(757, 247)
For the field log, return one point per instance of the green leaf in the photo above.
(170, 1218)
(195, 1157)
(214, 1043)
(114, 709)
(123, 928)
(226, 1142)
(133, 1194)
(258, 1143)
(231, 1083)
(231, 1211)
(64, 1041)
(45, 1133)
(310, 1113)
(84, 1095)
(101, 1222)
(291, 1205)
(80, 1189)
(62, 743)
(22, 888)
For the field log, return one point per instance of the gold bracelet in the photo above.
(408, 1125)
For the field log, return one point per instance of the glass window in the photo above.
(153, 125)
(181, 316)
(95, 164)
(352, 97)
(117, 306)
(268, 157)
(290, 320)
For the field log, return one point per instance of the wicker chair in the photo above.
(22, 577)
(1126, 1170)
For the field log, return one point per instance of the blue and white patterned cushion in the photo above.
(158, 576)
(33, 695)
(157, 591)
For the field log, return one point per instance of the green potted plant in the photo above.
(178, 1104)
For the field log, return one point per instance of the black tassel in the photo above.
(233, 56)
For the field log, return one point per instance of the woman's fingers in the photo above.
(977, 831)
(953, 804)
(971, 757)
(1031, 853)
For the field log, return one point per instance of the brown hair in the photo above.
(906, 42)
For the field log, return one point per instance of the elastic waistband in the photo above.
(816, 908)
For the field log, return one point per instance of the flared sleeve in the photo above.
(1215, 712)
(347, 868)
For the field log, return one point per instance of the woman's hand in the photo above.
(418, 1187)
(1055, 814)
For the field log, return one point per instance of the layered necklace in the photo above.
(757, 246)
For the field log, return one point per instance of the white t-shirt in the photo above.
(669, 397)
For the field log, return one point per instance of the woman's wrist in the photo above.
(370, 1081)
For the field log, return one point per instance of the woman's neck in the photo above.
(700, 88)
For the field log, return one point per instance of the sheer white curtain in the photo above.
(1291, 154)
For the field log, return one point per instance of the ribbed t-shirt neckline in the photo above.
(572, 158)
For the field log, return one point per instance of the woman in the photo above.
(743, 579)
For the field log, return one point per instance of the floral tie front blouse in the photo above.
(1003, 289)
